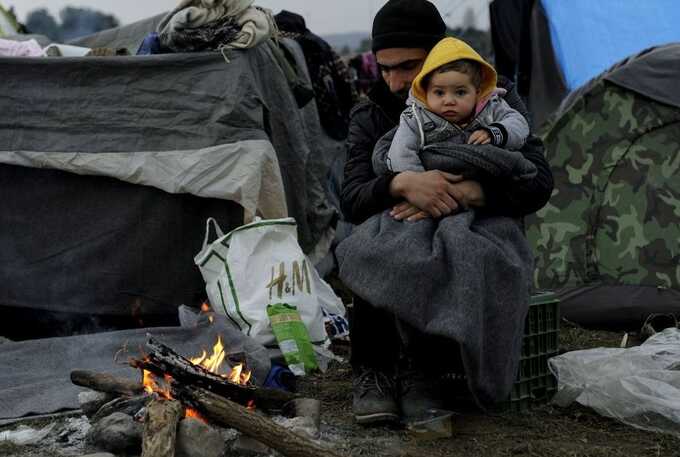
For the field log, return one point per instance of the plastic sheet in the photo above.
(639, 386)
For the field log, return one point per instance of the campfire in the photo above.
(213, 363)
(212, 388)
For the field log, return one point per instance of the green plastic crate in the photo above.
(535, 383)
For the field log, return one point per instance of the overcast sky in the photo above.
(323, 16)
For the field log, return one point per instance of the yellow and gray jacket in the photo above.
(419, 127)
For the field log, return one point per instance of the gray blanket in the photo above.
(463, 277)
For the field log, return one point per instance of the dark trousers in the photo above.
(380, 341)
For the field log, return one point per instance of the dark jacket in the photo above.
(365, 194)
(333, 88)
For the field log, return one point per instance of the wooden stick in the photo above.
(160, 428)
(129, 406)
(104, 382)
(225, 412)
(163, 360)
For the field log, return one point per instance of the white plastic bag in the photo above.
(639, 386)
(259, 264)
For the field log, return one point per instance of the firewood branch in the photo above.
(104, 382)
(160, 428)
(162, 360)
(227, 413)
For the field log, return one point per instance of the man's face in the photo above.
(399, 67)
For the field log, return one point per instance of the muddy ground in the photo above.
(543, 431)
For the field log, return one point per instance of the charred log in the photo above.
(104, 382)
(227, 413)
(162, 361)
(129, 406)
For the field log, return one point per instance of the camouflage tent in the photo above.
(609, 240)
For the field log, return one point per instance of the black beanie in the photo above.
(407, 24)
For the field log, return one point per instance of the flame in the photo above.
(151, 386)
(238, 375)
(188, 412)
(205, 308)
(149, 382)
(212, 363)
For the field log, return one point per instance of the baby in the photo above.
(454, 99)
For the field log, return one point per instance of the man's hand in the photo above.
(479, 137)
(406, 211)
(469, 193)
(430, 191)
(440, 194)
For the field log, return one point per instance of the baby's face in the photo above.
(452, 96)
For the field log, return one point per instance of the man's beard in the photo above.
(401, 95)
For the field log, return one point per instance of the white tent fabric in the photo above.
(246, 172)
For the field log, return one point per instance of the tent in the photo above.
(552, 47)
(109, 167)
(609, 239)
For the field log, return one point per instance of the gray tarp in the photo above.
(171, 102)
(178, 122)
(97, 246)
(319, 148)
(146, 120)
(35, 378)
(245, 172)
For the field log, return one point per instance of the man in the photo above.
(396, 368)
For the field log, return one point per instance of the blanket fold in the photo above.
(463, 276)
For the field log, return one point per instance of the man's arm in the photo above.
(363, 193)
(508, 198)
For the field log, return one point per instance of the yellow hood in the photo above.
(448, 50)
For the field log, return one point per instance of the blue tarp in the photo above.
(589, 36)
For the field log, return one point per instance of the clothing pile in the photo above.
(335, 94)
(209, 25)
(365, 69)
(28, 48)
(478, 269)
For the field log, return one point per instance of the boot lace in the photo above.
(370, 380)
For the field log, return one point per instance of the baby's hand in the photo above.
(480, 137)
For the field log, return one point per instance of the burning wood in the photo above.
(195, 388)
(163, 362)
